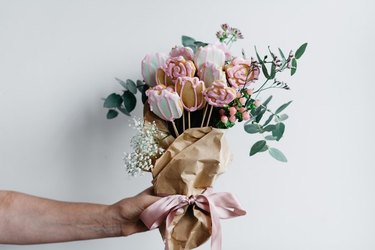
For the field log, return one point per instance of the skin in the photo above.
(26, 219)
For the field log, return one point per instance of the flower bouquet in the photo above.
(191, 96)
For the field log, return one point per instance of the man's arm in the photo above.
(26, 219)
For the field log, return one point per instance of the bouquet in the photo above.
(190, 97)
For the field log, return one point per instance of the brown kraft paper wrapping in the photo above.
(190, 164)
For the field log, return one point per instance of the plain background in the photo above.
(59, 58)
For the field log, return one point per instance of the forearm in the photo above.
(26, 219)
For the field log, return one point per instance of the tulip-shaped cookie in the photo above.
(165, 103)
(190, 90)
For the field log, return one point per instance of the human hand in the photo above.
(129, 210)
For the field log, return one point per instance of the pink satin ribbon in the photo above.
(219, 205)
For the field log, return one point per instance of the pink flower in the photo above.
(241, 72)
(243, 100)
(245, 116)
(250, 91)
(242, 109)
(176, 67)
(257, 103)
(232, 118)
(219, 94)
(224, 119)
(232, 111)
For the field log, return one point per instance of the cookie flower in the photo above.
(176, 67)
(241, 72)
(219, 94)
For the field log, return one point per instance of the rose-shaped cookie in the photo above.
(191, 90)
(209, 73)
(164, 102)
(150, 64)
(241, 72)
(176, 67)
(219, 94)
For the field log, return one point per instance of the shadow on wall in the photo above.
(94, 149)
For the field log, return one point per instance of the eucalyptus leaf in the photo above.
(252, 128)
(130, 101)
(187, 41)
(123, 110)
(277, 154)
(282, 55)
(113, 101)
(264, 68)
(112, 114)
(265, 103)
(268, 120)
(258, 146)
(300, 51)
(282, 107)
(269, 128)
(270, 138)
(131, 86)
(278, 131)
(260, 115)
(200, 44)
(123, 84)
(294, 67)
(273, 71)
(283, 117)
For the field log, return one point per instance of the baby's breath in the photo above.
(145, 146)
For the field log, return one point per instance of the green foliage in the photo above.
(113, 101)
(278, 130)
(111, 114)
(190, 42)
(277, 154)
(130, 101)
(300, 51)
(257, 147)
(294, 67)
(282, 107)
(253, 128)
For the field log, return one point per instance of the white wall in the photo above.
(59, 58)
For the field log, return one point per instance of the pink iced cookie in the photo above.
(209, 73)
(219, 94)
(191, 90)
(176, 67)
(241, 72)
(185, 52)
(210, 54)
(150, 64)
(164, 102)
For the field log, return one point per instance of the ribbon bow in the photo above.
(219, 205)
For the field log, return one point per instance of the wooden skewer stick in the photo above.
(189, 118)
(204, 115)
(183, 121)
(209, 116)
(175, 129)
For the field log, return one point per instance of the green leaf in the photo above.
(282, 55)
(200, 44)
(112, 114)
(260, 115)
(278, 131)
(123, 84)
(258, 146)
(130, 101)
(270, 138)
(282, 107)
(283, 117)
(113, 101)
(124, 111)
(294, 67)
(264, 68)
(273, 71)
(187, 41)
(277, 154)
(268, 120)
(252, 128)
(269, 128)
(300, 51)
(131, 86)
(265, 103)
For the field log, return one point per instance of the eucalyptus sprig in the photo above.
(126, 101)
